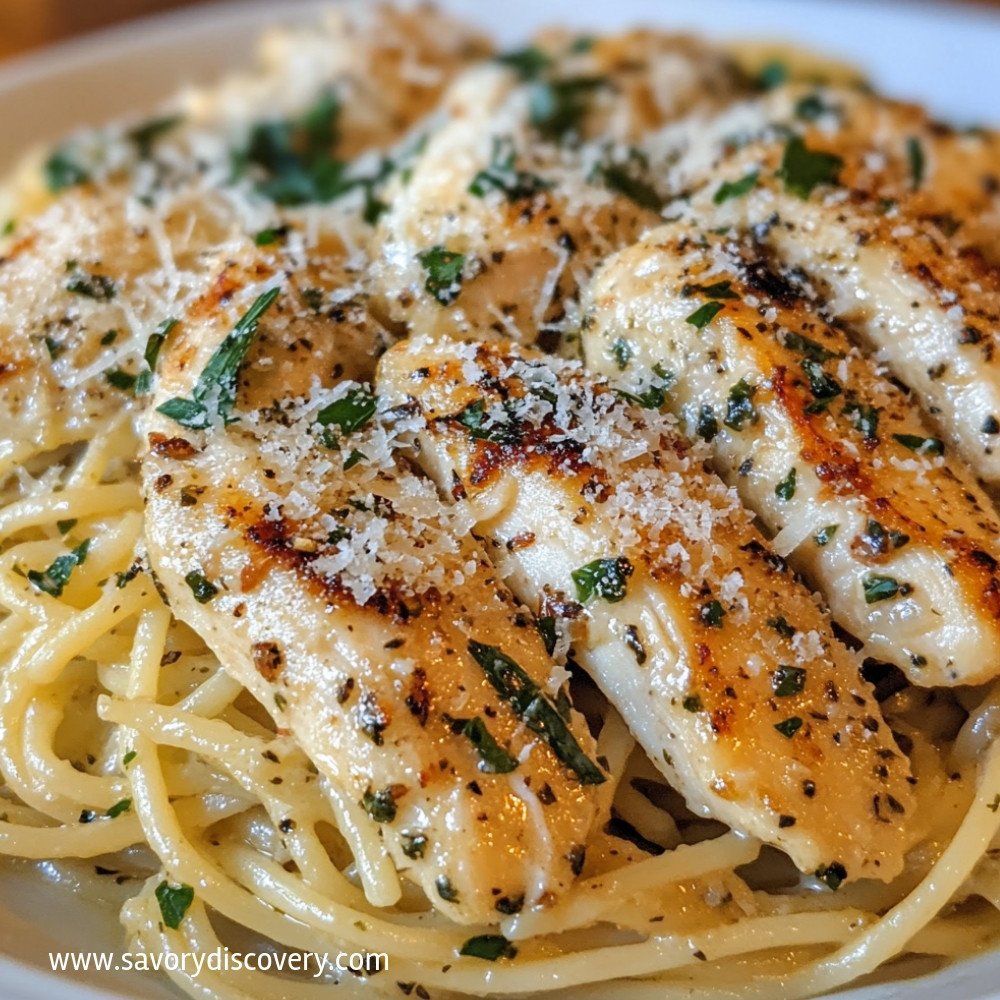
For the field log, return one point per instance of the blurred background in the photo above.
(28, 24)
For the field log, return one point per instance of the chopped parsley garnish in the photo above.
(864, 417)
(789, 727)
(823, 386)
(924, 445)
(174, 900)
(785, 490)
(66, 526)
(118, 808)
(414, 845)
(786, 681)
(493, 758)
(631, 179)
(216, 385)
(348, 414)
(502, 175)
(52, 580)
(353, 458)
(444, 273)
(129, 757)
(654, 395)
(605, 578)
(811, 107)
(773, 74)
(144, 381)
(719, 290)
(825, 535)
(879, 588)
(109, 338)
(500, 431)
(810, 348)
(833, 874)
(534, 709)
(556, 107)
(704, 315)
(54, 348)
(528, 63)
(8, 227)
(622, 352)
(380, 805)
(92, 286)
(445, 889)
(739, 406)
(781, 626)
(121, 379)
(62, 171)
(293, 158)
(145, 135)
(915, 156)
(547, 630)
(736, 189)
(711, 614)
(202, 588)
(877, 538)
(271, 235)
(489, 947)
(803, 169)
(692, 703)
(707, 426)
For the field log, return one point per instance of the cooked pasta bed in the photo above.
(527, 514)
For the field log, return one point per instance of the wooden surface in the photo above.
(28, 24)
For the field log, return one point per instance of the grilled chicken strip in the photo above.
(532, 180)
(881, 208)
(600, 516)
(831, 454)
(330, 580)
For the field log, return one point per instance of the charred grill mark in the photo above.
(418, 700)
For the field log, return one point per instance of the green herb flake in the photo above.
(622, 352)
(62, 171)
(789, 727)
(917, 161)
(718, 290)
(823, 386)
(704, 315)
(556, 107)
(864, 417)
(99, 287)
(879, 588)
(772, 75)
(529, 63)
(351, 412)
(414, 845)
(631, 179)
(380, 805)
(493, 758)
(923, 445)
(445, 889)
(532, 707)
(271, 235)
(711, 614)
(833, 875)
(118, 808)
(785, 490)
(707, 426)
(175, 901)
(736, 189)
(144, 136)
(489, 947)
(803, 169)
(216, 386)
(52, 580)
(825, 535)
(129, 757)
(810, 348)
(66, 526)
(8, 227)
(604, 578)
(121, 379)
(444, 273)
(781, 626)
(502, 175)
(202, 589)
(109, 338)
(547, 630)
(811, 107)
(739, 406)
(692, 703)
(786, 681)
(54, 348)
(499, 431)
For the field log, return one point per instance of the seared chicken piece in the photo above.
(831, 454)
(532, 180)
(880, 208)
(331, 581)
(604, 520)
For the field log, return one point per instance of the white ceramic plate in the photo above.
(943, 55)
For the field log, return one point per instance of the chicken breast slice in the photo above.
(832, 455)
(600, 516)
(532, 179)
(884, 211)
(330, 580)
